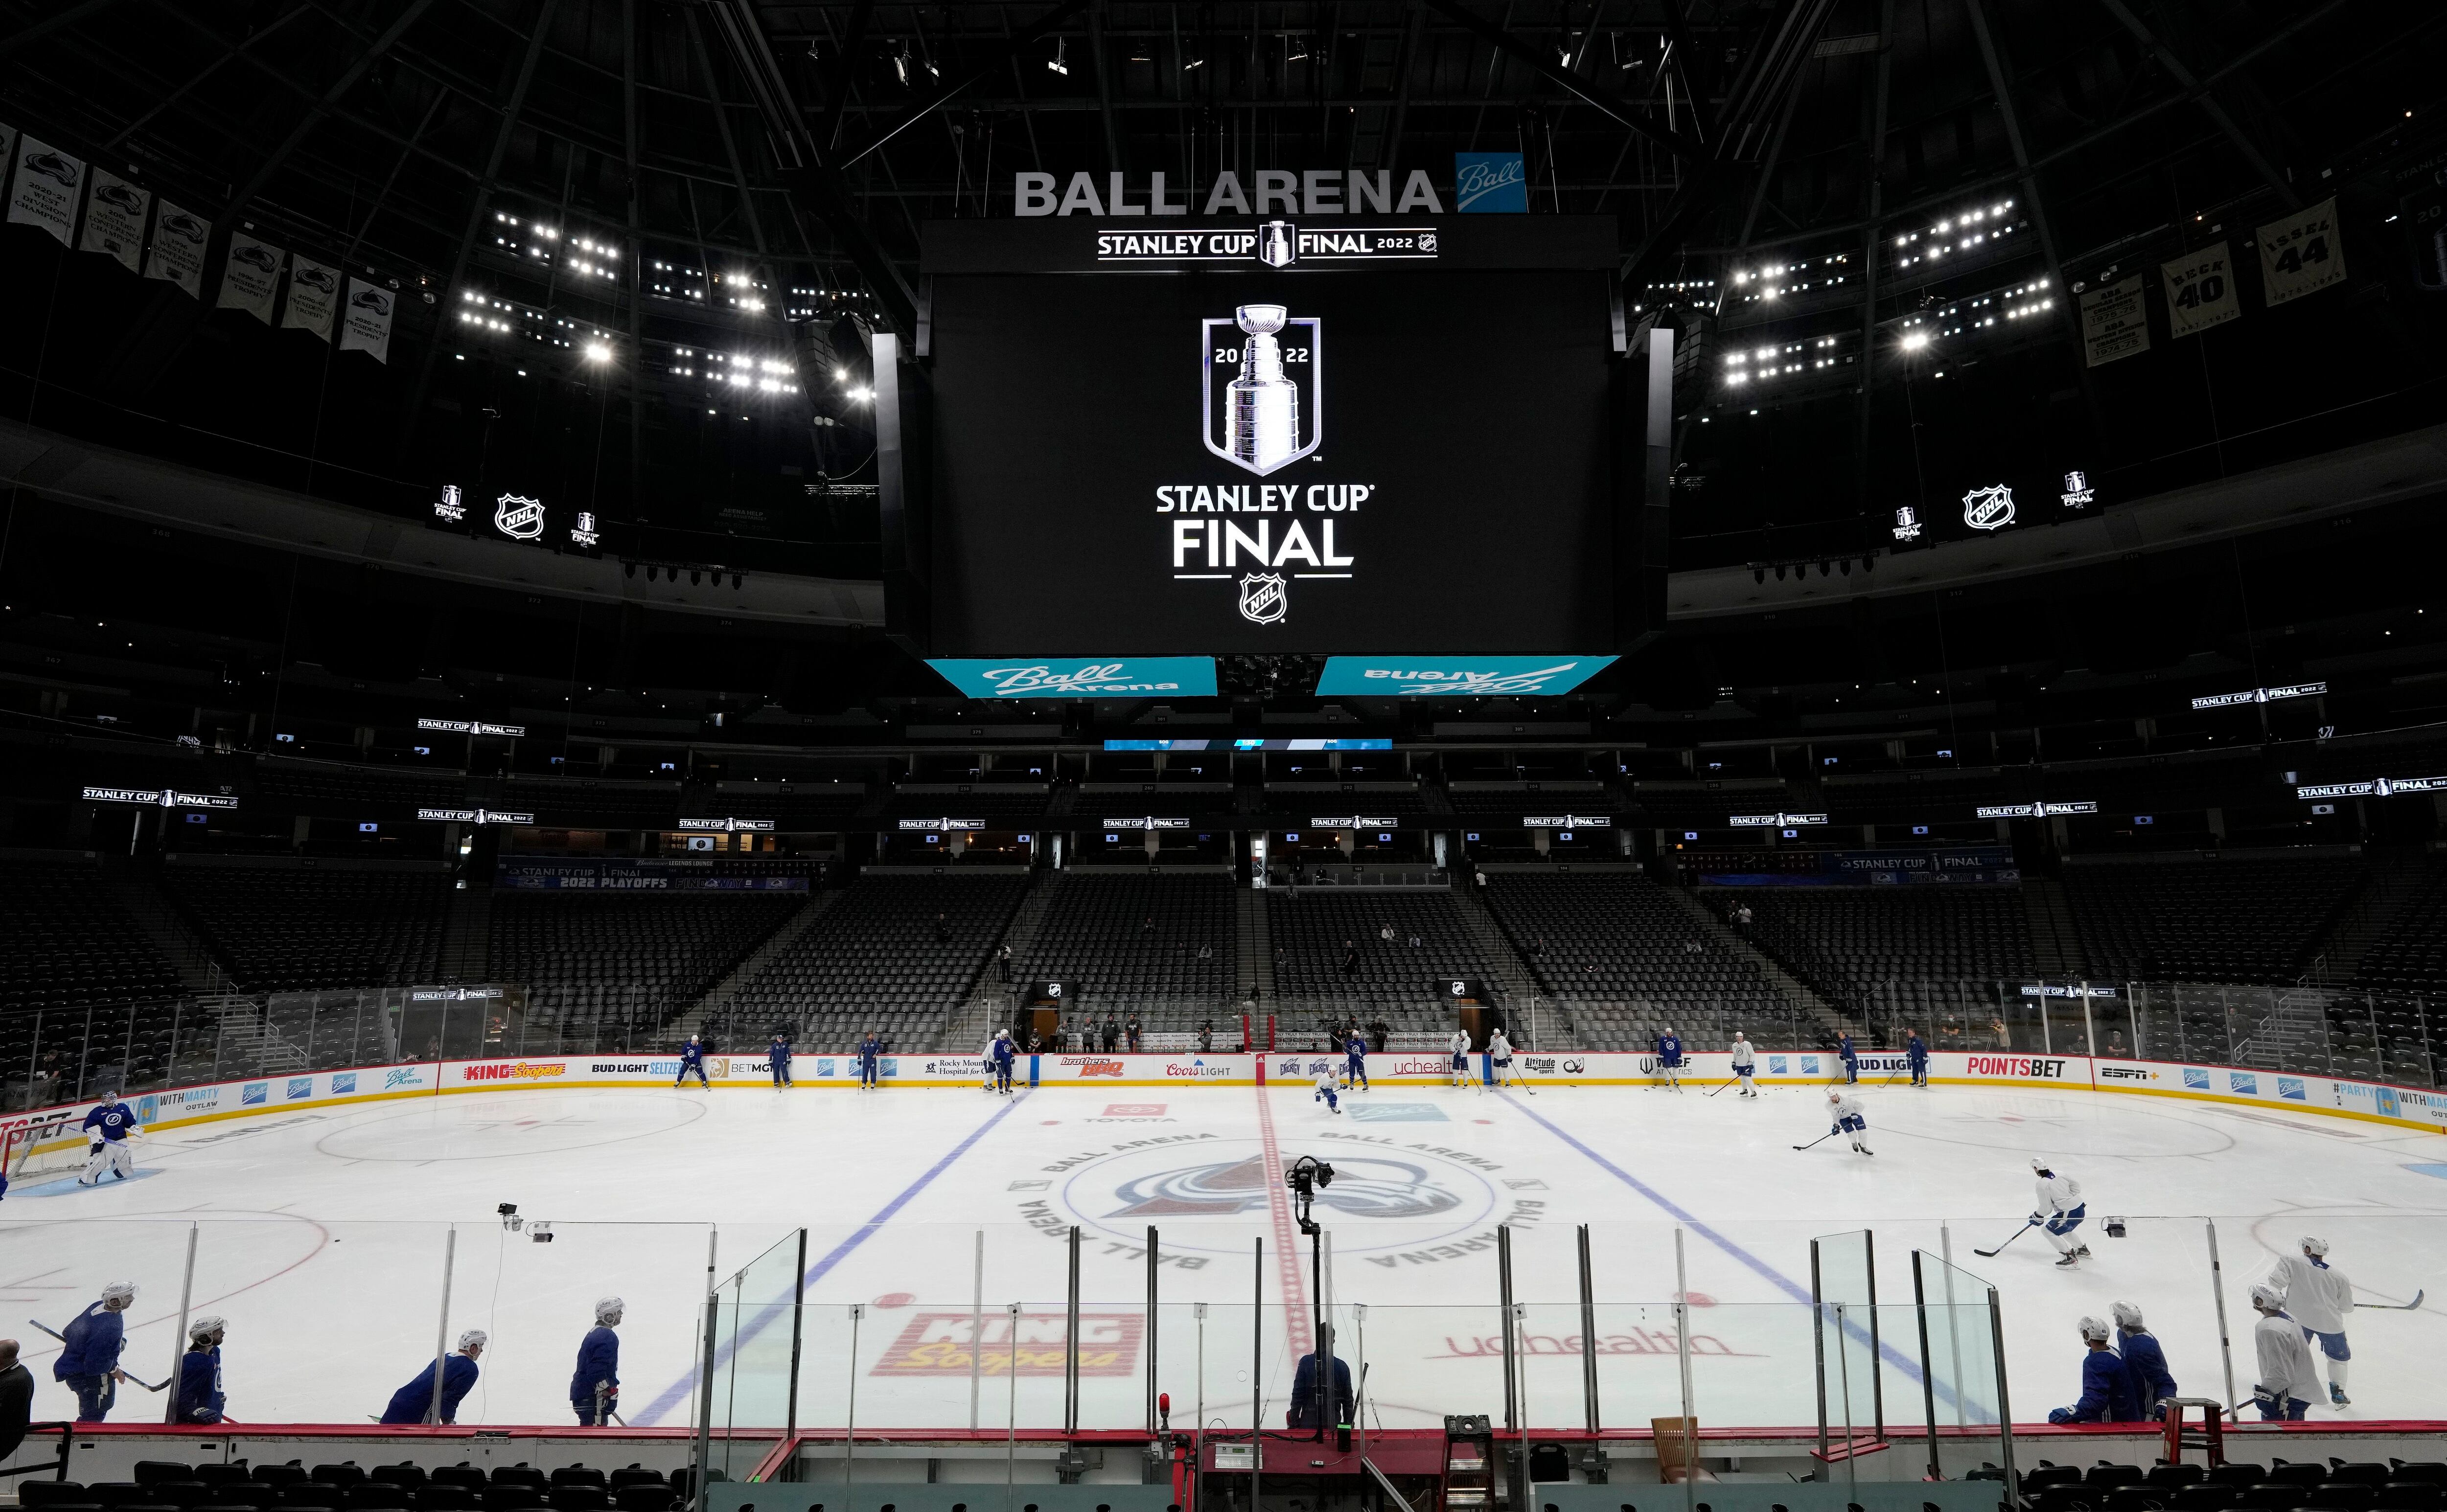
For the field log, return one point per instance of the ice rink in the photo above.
(322, 1234)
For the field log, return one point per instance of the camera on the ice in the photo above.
(2116, 1228)
(1305, 1175)
(510, 1219)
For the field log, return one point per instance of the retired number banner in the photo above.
(2200, 291)
(2301, 253)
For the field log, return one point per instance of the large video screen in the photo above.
(1235, 438)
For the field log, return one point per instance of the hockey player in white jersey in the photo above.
(2286, 1382)
(2059, 1211)
(1499, 1055)
(1846, 1110)
(2320, 1298)
(1328, 1085)
(1460, 1046)
(1745, 1062)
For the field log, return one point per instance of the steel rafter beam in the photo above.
(1623, 112)
(322, 108)
(479, 200)
(53, 23)
(2059, 154)
(1007, 55)
(2068, 315)
(2199, 94)
(808, 166)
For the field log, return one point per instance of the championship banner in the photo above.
(2200, 291)
(2301, 254)
(178, 253)
(314, 295)
(364, 326)
(2115, 322)
(114, 219)
(250, 278)
(45, 191)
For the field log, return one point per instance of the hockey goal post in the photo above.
(34, 1149)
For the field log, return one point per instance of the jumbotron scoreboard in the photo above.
(1386, 433)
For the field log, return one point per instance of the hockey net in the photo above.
(42, 1149)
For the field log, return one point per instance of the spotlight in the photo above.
(1846, 565)
(627, 569)
(1868, 564)
(734, 580)
(1825, 568)
(1780, 572)
(695, 577)
(1057, 62)
(1758, 575)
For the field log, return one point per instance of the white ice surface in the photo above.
(321, 1237)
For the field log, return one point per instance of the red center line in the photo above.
(1298, 1331)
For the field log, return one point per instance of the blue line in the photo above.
(1789, 1287)
(678, 1391)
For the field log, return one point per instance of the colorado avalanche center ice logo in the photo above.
(1362, 1188)
(1988, 508)
(1271, 413)
(1263, 598)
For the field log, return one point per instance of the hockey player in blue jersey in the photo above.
(1326, 1083)
(1004, 1053)
(108, 1127)
(1355, 1061)
(413, 1403)
(1916, 1055)
(1851, 1057)
(1669, 1057)
(778, 1056)
(200, 1397)
(691, 1059)
(89, 1346)
(2145, 1362)
(870, 1063)
(595, 1386)
(2106, 1392)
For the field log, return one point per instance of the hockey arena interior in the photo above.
(1222, 756)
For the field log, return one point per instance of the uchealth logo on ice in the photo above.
(944, 1343)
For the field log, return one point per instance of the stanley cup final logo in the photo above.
(1270, 414)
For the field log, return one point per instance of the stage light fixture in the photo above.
(695, 577)
(1059, 63)
(1758, 575)
(1780, 572)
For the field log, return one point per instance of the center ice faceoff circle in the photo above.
(1433, 1191)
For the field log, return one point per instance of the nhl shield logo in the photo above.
(1988, 508)
(1263, 598)
(1262, 377)
(519, 518)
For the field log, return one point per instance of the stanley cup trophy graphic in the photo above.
(1263, 412)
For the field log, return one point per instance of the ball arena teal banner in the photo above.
(1456, 676)
(1088, 677)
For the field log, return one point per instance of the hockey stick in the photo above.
(63, 1338)
(2010, 1238)
(2398, 1307)
(1820, 1139)
(1721, 1088)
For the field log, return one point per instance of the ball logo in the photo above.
(1362, 1188)
(1988, 508)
